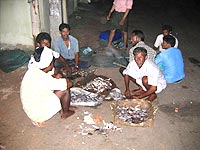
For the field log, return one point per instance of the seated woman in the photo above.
(42, 93)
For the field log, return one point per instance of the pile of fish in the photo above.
(98, 85)
(85, 73)
(84, 98)
(131, 115)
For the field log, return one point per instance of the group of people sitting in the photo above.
(151, 69)
(44, 90)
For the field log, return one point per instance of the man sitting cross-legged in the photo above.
(145, 74)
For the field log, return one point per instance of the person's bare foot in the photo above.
(137, 92)
(152, 97)
(67, 114)
(39, 124)
(73, 108)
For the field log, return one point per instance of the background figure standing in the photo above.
(166, 30)
(120, 10)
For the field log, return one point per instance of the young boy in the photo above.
(166, 30)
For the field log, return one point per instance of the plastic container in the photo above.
(105, 35)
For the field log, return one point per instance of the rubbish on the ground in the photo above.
(134, 112)
(111, 126)
(87, 50)
(88, 119)
(84, 98)
(89, 126)
(176, 109)
(97, 118)
(86, 113)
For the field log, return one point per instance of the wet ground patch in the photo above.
(194, 61)
(185, 109)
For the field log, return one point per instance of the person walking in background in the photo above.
(170, 60)
(166, 30)
(67, 46)
(119, 20)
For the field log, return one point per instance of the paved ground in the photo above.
(171, 131)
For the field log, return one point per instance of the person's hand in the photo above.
(75, 69)
(121, 23)
(69, 83)
(127, 93)
(57, 76)
(108, 17)
(135, 96)
(68, 69)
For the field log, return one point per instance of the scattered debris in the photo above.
(95, 124)
(176, 109)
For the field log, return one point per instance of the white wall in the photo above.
(15, 24)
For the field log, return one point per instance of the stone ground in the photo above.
(171, 131)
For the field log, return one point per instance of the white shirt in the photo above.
(149, 69)
(151, 53)
(159, 40)
(37, 94)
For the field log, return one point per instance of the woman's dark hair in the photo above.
(43, 36)
(37, 53)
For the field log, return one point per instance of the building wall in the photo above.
(15, 24)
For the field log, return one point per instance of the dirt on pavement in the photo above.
(171, 130)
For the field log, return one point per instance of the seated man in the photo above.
(44, 39)
(67, 46)
(137, 39)
(145, 74)
(166, 30)
(42, 93)
(170, 60)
